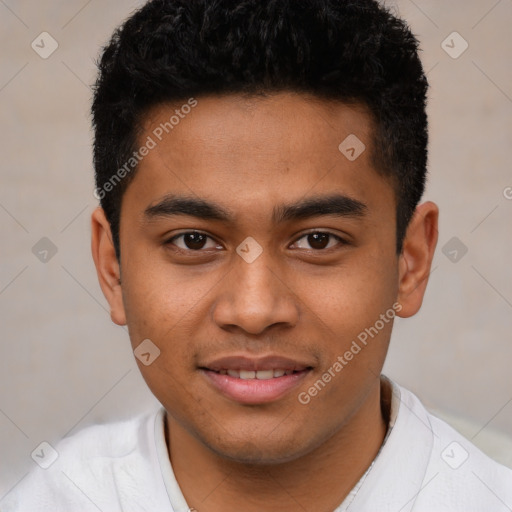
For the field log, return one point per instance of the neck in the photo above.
(319, 480)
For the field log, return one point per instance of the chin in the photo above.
(259, 452)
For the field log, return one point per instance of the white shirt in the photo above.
(423, 465)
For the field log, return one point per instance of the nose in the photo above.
(254, 297)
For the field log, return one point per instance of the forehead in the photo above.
(303, 120)
(257, 149)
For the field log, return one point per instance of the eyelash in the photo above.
(170, 241)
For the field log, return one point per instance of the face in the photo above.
(255, 254)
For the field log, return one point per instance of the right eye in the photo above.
(192, 241)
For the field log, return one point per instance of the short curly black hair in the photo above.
(344, 50)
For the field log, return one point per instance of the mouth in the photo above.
(256, 374)
(255, 381)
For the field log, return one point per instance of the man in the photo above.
(260, 165)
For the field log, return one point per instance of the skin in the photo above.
(294, 300)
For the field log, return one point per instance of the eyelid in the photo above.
(170, 241)
(340, 239)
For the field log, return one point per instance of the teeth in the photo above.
(260, 374)
(265, 374)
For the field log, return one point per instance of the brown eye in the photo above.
(193, 241)
(318, 240)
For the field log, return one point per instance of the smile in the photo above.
(260, 374)
(246, 379)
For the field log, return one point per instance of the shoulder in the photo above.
(459, 476)
(95, 466)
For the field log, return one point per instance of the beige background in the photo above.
(65, 365)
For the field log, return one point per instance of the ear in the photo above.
(416, 257)
(107, 266)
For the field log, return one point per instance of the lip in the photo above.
(255, 391)
(255, 363)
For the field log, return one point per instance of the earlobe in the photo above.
(107, 265)
(415, 260)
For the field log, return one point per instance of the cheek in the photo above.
(149, 305)
(161, 307)
(153, 292)
(352, 296)
(167, 304)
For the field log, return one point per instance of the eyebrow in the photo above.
(335, 205)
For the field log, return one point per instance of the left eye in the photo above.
(318, 240)
(193, 241)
